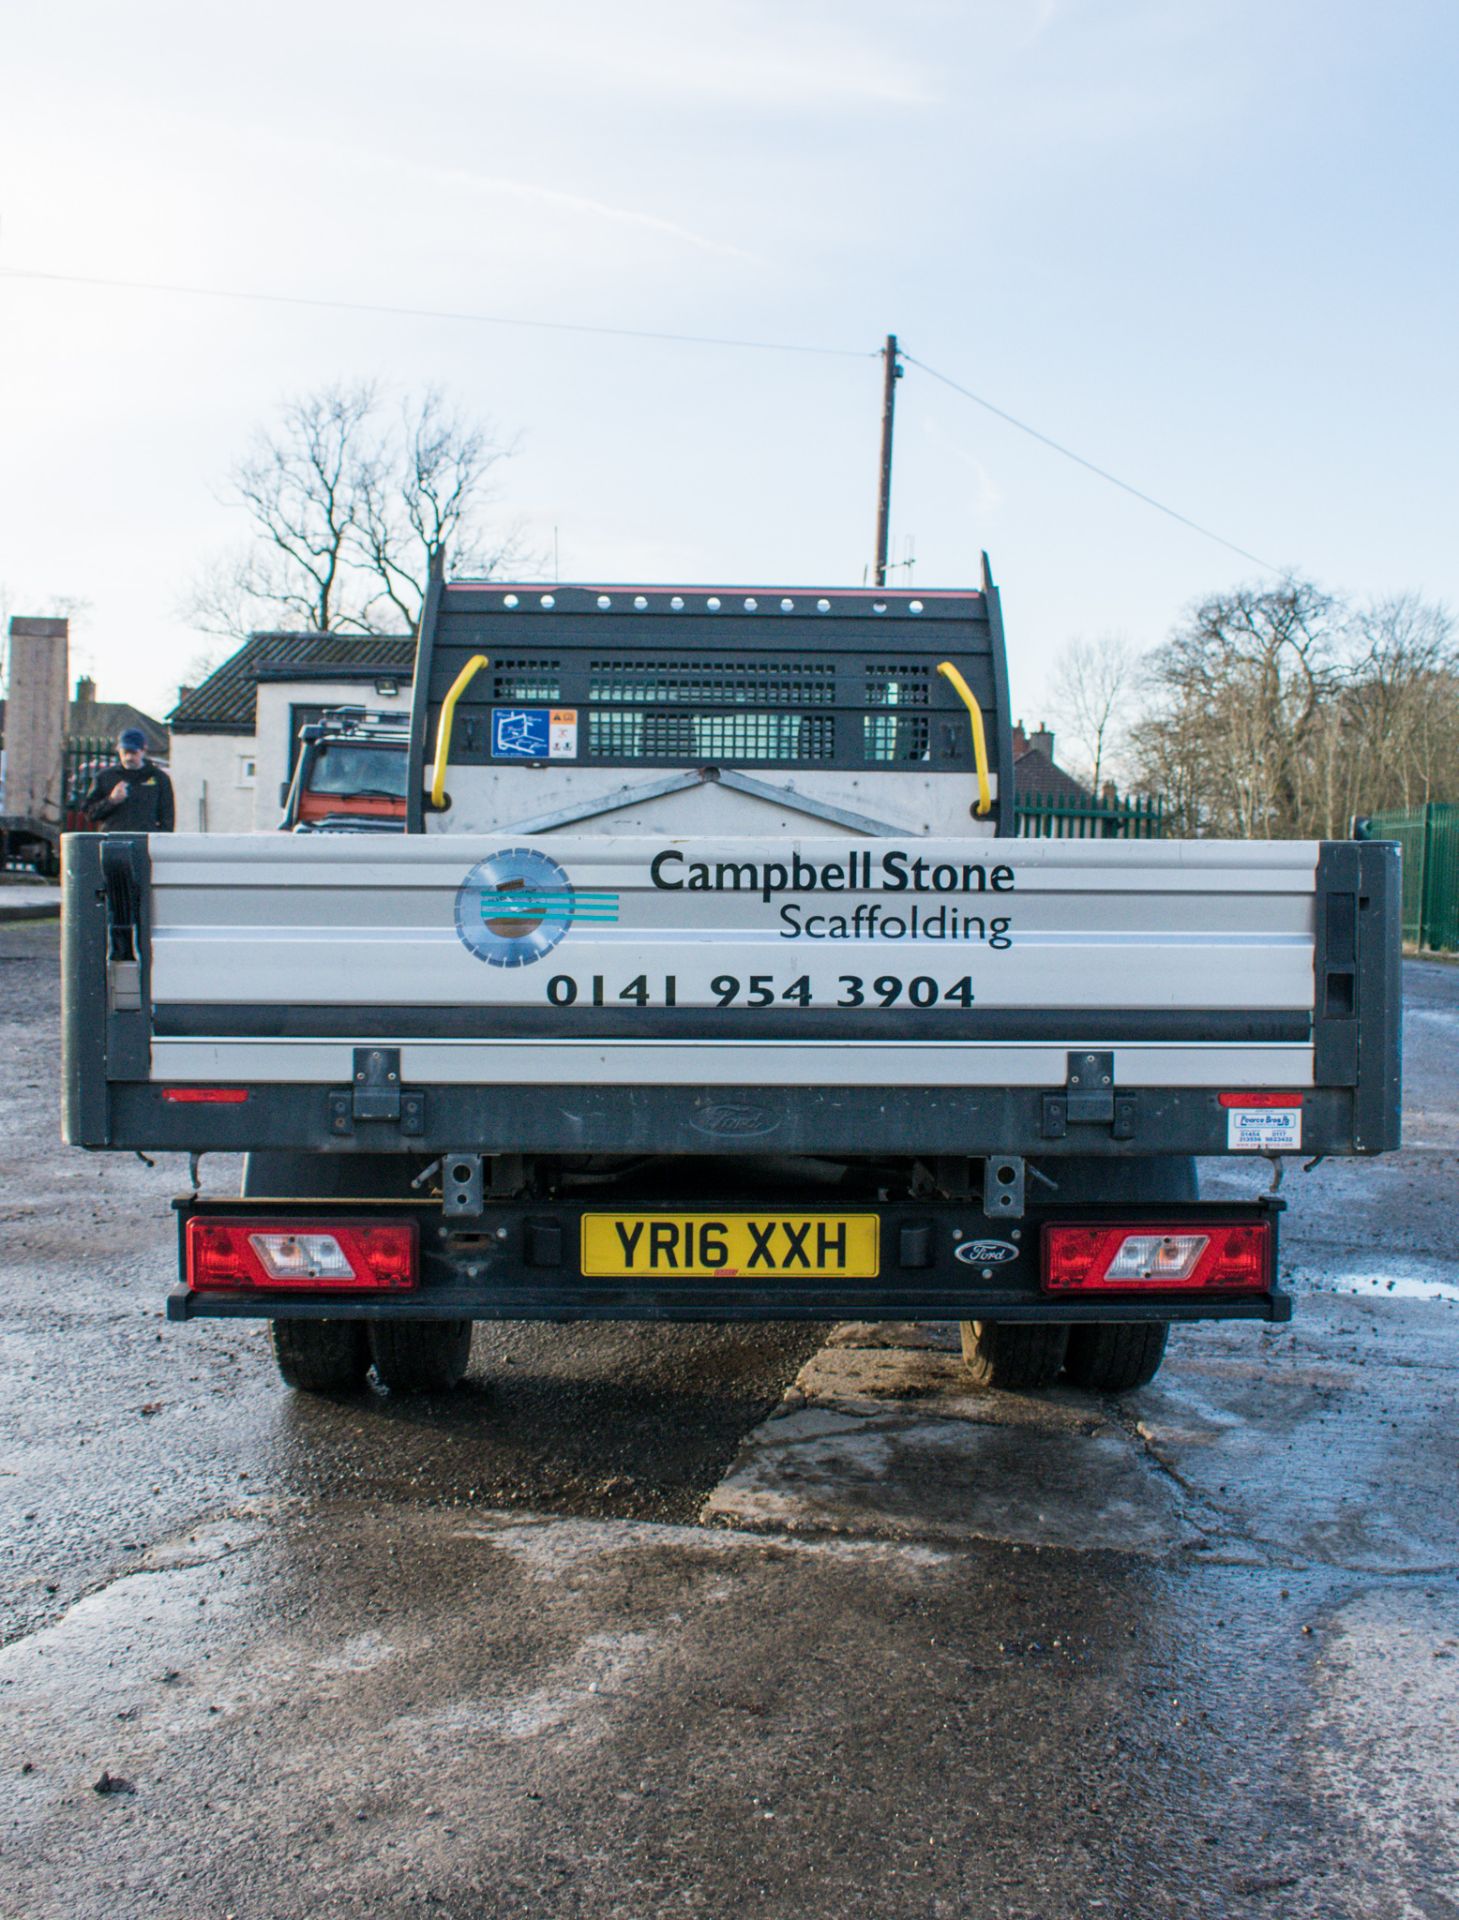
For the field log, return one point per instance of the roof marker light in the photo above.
(712, 603)
(750, 605)
(787, 606)
(914, 606)
(640, 601)
(605, 601)
(823, 606)
(511, 600)
(677, 603)
(548, 600)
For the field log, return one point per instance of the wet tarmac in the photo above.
(621, 1630)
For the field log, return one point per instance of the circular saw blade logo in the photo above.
(514, 906)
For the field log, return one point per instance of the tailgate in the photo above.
(867, 974)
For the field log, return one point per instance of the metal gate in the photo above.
(1429, 837)
(1053, 817)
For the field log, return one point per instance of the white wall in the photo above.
(229, 782)
(210, 782)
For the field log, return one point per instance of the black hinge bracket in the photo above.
(1089, 1088)
(1089, 1099)
(376, 1094)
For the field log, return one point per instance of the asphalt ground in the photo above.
(678, 1621)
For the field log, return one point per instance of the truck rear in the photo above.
(710, 980)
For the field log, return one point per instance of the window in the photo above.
(247, 770)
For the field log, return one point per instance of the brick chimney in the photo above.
(86, 691)
(1043, 740)
(35, 717)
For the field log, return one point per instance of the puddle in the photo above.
(1412, 1280)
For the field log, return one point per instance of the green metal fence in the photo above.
(82, 759)
(33, 844)
(1429, 837)
(1051, 817)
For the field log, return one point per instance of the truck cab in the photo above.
(350, 774)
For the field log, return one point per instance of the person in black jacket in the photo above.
(134, 795)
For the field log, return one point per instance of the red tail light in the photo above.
(1260, 1099)
(304, 1256)
(1153, 1257)
(205, 1096)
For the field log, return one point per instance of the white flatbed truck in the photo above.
(711, 981)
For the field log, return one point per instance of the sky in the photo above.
(1208, 244)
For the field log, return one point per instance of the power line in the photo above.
(1103, 473)
(631, 333)
(432, 313)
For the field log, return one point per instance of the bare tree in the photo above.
(304, 488)
(1283, 712)
(427, 502)
(1238, 698)
(1093, 687)
(348, 512)
(1400, 708)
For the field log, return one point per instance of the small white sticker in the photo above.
(563, 734)
(1264, 1129)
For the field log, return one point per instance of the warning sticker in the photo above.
(534, 733)
(519, 733)
(1264, 1129)
(562, 734)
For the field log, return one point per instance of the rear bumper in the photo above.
(832, 1122)
(522, 1262)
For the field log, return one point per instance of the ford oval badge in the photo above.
(984, 1253)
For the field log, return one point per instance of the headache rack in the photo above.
(821, 681)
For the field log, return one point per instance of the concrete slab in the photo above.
(24, 900)
(1328, 1444)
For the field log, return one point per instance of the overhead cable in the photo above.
(433, 313)
(638, 333)
(1114, 480)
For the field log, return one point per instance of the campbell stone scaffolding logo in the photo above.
(514, 906)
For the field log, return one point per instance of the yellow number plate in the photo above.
(731, 1246)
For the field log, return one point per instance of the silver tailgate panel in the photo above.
(273, 922)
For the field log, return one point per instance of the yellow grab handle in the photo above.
(443, 726)
(980, 740)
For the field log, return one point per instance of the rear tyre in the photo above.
(1116, 1358)
(420, 1356)
(321, 1356)
(1014, 1355)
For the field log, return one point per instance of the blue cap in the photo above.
(132, 740)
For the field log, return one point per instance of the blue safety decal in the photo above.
(521, 733)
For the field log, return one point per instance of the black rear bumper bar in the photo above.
(520, 1261)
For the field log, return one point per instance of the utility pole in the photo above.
(892, 373)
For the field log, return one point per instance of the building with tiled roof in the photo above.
(235, 734)
(1037, 775)
(88, 718)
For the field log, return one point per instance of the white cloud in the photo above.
(554, 198)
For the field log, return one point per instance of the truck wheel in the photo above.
(420, 1356)
(1014, 1355)
(321, 1356)
(1114, 1358)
